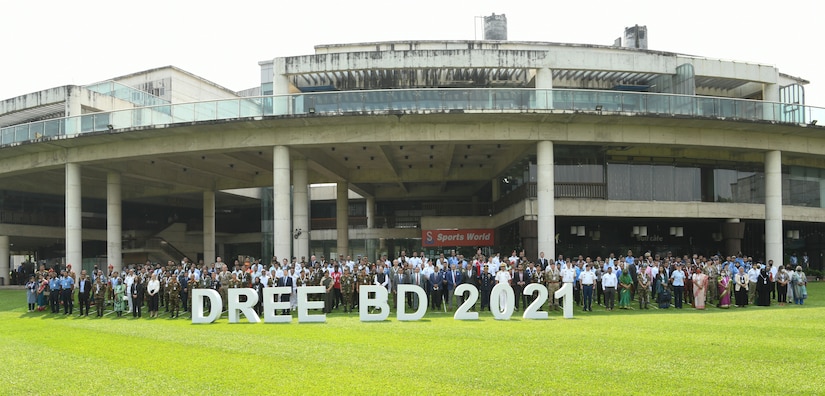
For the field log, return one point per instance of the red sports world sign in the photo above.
(469, 237)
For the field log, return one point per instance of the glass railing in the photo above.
(127, 93)
(417, 100)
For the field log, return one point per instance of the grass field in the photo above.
(755, 350)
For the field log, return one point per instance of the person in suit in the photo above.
(398, 278)
(137, 291)
(453, 280)
(436, 289)
(418, 279)
(84, 290)
(520, 281)
(285, 281)
(469, 276)
(543, 262)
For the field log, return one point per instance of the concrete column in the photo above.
(114, 228)
(770, 93)
(544, 83)
(773, 207)
(342, 217)
(73, 109)
(300, 208)
(732, 232)
(74, 225)
(281, 217)
(496, 189)
(371, 253)
(5, 257)
(208, 227)
(280, 88)
(370, 212)
(546, 199)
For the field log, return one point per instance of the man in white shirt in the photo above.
(128, 281)
(609, 283)
(415, 261)
(503, 276)
(753, 276)
(587, 279)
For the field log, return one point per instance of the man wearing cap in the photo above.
(347, 282)
(587, 279)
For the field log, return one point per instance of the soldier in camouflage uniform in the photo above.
(363, 280)
(643, 287)
(329, 296)
(348, 282)
(713, 280)
(193, 284)
(174, 296)
(99, 291)
(223, 279)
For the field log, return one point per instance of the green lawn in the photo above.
(756, 350)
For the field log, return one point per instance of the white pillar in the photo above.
(342, 217)
(73, 109)
(300, 208)
(114, 228)
(74, 225)
(281, 217)
(208, 227)
(770, 93)
(5, 256)
(280, 88)
(544, 83)
(546, 199)
(773, 207)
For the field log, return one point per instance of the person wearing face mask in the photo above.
(800, 283)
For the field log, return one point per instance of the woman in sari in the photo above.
(724, 290)
(782, 281)
(700, 284)
(625, 283)
(120, 294)
(740, 288)
(799, 282)
(41, 293)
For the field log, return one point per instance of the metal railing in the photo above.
(416, 100)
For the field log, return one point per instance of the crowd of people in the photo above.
(651, 280)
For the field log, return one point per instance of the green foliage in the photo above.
(619, 352)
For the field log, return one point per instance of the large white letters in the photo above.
(379, 301)
(197, 305)
(235, 305)
(304, 305)
(403, 290)
(271, 305)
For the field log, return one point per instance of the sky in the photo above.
(52, 43)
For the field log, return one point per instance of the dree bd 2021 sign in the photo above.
(372, 296)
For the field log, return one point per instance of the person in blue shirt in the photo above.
(677, 279)
(54, 293)
(66, 287)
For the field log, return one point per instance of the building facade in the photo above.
(371, 148)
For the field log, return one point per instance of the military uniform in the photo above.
(99, 292)
(363, 280)
(552, 278)
(486, 281)
(347, 289)
(174, 298)
(327, 283)
(643, 289)
(224, 278)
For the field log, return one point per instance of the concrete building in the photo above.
(371, 148)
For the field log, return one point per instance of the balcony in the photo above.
(416, 101)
